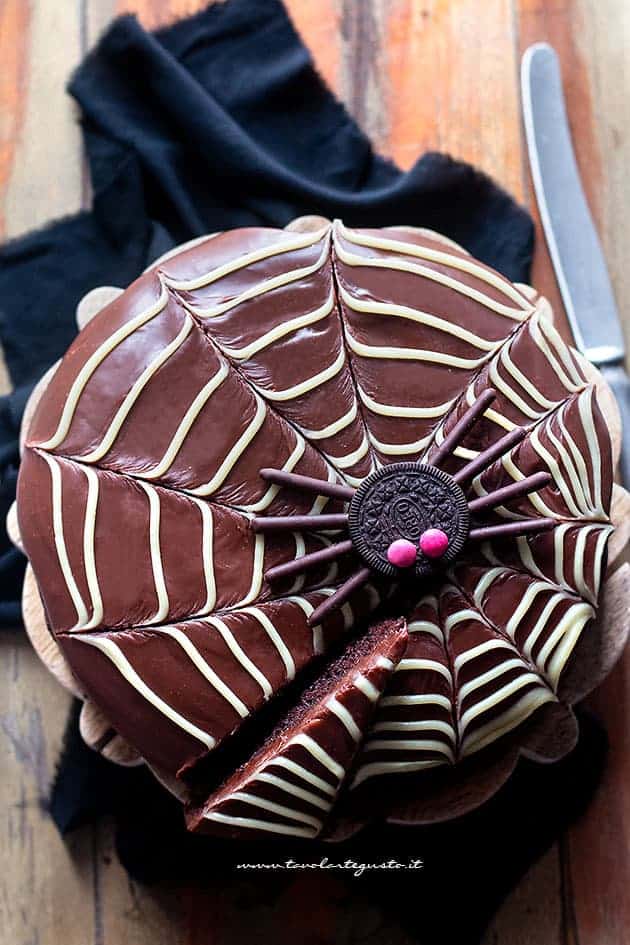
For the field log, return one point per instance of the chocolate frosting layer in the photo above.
(330, 354)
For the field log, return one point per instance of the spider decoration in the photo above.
(405, 519)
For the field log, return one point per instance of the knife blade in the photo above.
(576, 253)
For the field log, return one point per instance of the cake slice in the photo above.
(290, 784)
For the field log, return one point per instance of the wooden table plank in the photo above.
(449, 73)
(42, 176)
(591, 39)
(47, 885)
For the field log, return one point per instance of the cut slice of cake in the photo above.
(290, 784)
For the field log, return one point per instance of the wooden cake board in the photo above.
(547, 741)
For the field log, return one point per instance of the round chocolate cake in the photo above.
(314, 515)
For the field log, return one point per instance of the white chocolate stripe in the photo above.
(424, 725)
(541, 625)
(89, 549)
(460, 617)
(567, 632)
(485, 582)
(407, 664)
(275, 638)
(254, 824)
(266, 285)
(350, 459)
(300, 551)
(465, 264)
(495, 728)
(410, 744)
(132, 396)
(514, 398)
(389, 309)
(307, 608)
(579, 491)
(480, 650)
(272, 491)
(292, 789)
(156, 553)
(425, 626)
(600, 548)
(258, 568)
(423, 699)
(558, 478)
(526, 556)
(284, 245)
(367, 687)
(353, 259)
(207, 555)
(240, 655)
(186, 423)
(304, 773)
(585, 404)
(345, 717)
(205, 669)
(524, 382)
(412, 354)
(391, 767)
(399, 449)
(92, 363)
(306, 386)
(235, 453)
(335, 427)
(126, 670)
(357, 480)
(280, 809)
(495, 698)
(545, 336)
(578, 461)
(60, 542)
(388, 410)
(525, 606)
(319, 754)
(494, 673)
(280, 331)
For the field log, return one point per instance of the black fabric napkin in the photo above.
(220, 121)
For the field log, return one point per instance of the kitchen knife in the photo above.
(575, 250)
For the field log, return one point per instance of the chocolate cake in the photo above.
(274, 440)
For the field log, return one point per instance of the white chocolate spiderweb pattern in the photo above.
(276, 349)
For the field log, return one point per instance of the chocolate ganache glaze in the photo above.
(266, 438)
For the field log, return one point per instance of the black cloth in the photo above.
(470, 864)
(222, 121)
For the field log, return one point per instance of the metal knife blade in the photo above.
(574, 246)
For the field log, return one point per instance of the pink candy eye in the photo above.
(402, 553)
(433, 543)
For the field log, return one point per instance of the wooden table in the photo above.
(416, 74)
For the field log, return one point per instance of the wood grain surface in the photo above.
(417, 74)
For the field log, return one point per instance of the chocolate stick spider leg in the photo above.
(507, 493)
(309, 561)
(341, 595)
(292, 523)
(528, 526)
(319, 486)
(481, 462)
(466, 422)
